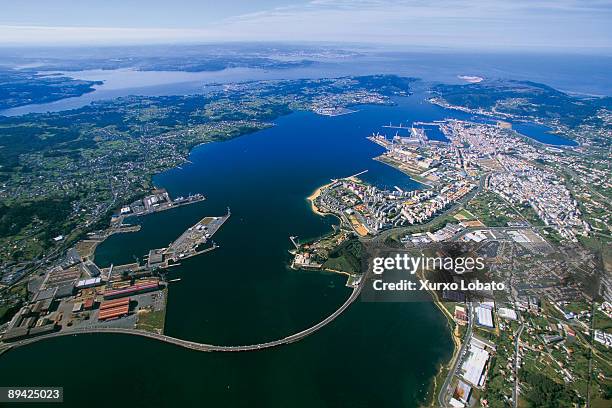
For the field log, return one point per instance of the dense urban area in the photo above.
(540, 216)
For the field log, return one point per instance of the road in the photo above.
(202, 346)
(592, 336)
(516, 358)
(451, 373)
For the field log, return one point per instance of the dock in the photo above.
(357, 174)
(294, 241)
(154, 203)
(391, 126)
(189, 242)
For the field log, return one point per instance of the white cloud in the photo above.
(490, 23)
(458, 23)
(11, 34)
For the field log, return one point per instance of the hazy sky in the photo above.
(491, 24)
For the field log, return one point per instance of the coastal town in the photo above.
(537, 213)
(506, 197)
(306, 204)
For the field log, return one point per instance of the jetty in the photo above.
(188, 244)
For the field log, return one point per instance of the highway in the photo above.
(444, 391)
(517, 340)
(195, 345)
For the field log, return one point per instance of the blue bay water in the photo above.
(373, 355)
(264, 178)
(580, 74)
(542, 134)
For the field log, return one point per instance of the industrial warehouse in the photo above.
(75, 294)
(474, 366)
(64, 303)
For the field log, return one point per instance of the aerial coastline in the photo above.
(306, 204)
(458, 171)
(312, 197)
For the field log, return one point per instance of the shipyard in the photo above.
(75, 294)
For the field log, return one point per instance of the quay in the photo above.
(186, 245)
(127, 228)
(294, 241)
(159, 200)
(390, 126)
(351, 177)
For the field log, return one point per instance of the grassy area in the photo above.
(3, 311)
(498, 389)
(552, 236)
(549, 310)
(602, 322)
(489, 208)
(541, 391)
(152, 321)
(530, 215)
(595, 243)
(577, 306)
(20, 290)
(464, 214)
(345, 258)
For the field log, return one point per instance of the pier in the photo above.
(294, 241)
(391, 126)
(357, 174)
(186, 245)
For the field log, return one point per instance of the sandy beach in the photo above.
(314, 196)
